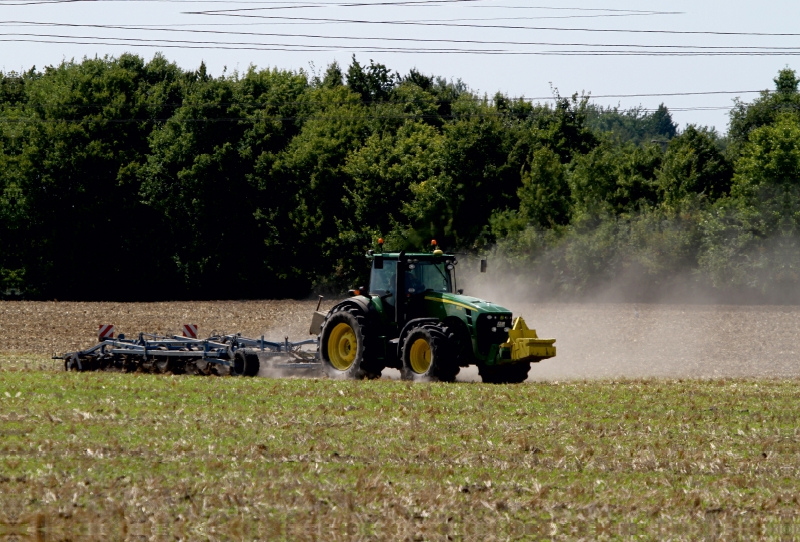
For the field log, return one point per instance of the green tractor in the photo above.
(413, 318)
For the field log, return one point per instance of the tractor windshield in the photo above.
(429, 276)
(421, 276)
(384, 281)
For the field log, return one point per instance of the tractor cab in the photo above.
(401, 282)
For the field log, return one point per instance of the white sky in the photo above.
(515, 74)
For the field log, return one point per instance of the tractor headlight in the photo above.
(507, 329)
(494, 329)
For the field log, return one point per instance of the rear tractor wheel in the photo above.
(343, 345)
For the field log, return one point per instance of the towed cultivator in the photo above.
(217, 355)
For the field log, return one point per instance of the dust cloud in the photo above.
(686, 331)
(627, 340)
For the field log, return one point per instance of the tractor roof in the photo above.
(415, 255)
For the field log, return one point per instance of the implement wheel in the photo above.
(428, 355)
(245, 363)
(343, 344)
(504, 374)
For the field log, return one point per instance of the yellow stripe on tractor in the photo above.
(525, 345)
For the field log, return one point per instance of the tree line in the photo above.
(137, 180)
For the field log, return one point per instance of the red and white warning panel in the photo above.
(190, 330)
(106, 331)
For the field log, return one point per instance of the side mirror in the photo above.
(483, 266)
(378, 262)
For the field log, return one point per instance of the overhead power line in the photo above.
(223, 13)
(625, 13)
(604, 12)
(171, 29)
(216, 45)
(401, 3)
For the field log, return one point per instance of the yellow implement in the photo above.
(526, 345)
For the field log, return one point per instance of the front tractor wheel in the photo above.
(427, 355)
(342, 345)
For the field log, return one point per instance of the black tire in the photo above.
(343, 345)
(504, 374)
(428, 355)
(461, 340)
(252, 364)
(237, 369)
(245, 363)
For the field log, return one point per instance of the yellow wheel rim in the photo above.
(342, 346)
(420, 356)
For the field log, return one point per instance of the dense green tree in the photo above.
(131, 179)
(752, 239)
(636, 125)
(203, 177)
(13, 209)
(546, 140)
(334, 77)
(312, 170)
(544, 194)
(746, 117)
(374, 83)
(85, 130)
(614, 179)
(767, 178)
(454, 208)
(387, 172)
(694, 165)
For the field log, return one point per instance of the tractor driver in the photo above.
(383, 282)
(413, 284)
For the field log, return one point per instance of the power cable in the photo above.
(437, 2)
(163, 43)
(360, 4)
(403, 39)
(222, 13)
(550, 17)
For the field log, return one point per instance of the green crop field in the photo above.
(110, 456)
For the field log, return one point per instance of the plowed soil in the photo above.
(593, 340)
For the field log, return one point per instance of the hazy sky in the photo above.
(609, 69)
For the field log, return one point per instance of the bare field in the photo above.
(110, 456)
(594, 340)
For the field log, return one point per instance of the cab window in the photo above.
(429, 276)
(384, 281)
